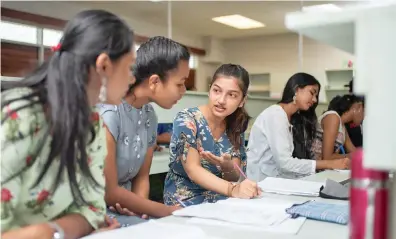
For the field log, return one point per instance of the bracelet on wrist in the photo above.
(231, 187)
(58, 231)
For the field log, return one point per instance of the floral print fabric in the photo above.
(190, 129)
(22, 131)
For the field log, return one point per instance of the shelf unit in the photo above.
(260, 84)
(336, 81)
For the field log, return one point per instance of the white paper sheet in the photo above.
(240, 212)
(347, 171)
(154, 230)
(290, 187)
(289, 226)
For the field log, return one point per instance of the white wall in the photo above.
(278, 55)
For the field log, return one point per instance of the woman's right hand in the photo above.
(340, 163)
(246, 189)
(171, 209)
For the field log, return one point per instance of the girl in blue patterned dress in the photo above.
(207, 143)
(160, 70)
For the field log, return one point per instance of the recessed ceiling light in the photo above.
(238, 21)
(322, 7)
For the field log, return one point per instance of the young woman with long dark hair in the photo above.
(281, 137)
(208, 141)
(331, 134)
(53, 142)
(160, 70)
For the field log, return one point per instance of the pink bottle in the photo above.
(369, 198)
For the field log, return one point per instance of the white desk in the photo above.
(310, 230)
(160, 162)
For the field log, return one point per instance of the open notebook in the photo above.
(290, 187)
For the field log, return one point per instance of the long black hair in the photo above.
(157, 56)
(342, 104)
(304, 122)
(238, 121)
(59, 86)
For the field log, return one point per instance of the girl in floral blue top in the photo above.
(207, 144)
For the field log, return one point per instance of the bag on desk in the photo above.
(334, 190)
(321, 211)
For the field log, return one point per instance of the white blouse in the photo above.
(270, 148)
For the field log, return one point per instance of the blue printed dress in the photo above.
(190, 129)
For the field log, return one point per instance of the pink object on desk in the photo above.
(369, 199)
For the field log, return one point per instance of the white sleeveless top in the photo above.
(318, 140)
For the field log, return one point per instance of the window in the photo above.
(51, 37)
(193, 63)
(18, 32)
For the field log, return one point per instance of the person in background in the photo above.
(281, 137)
(53, 142)
(164, 133)
(331, 135)
(160, 70)
(355, 131)
(207, 142)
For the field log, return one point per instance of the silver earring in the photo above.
(103, 91)
(294, 99)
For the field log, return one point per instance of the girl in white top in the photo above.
(331, 133)
(281, 137)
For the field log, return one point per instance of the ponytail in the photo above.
(236, 124)
(342, 104)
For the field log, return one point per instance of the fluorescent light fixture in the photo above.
(155, 0)
(321, 8)
(238, 21)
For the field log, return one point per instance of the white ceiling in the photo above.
(194, 17)
(188, 17)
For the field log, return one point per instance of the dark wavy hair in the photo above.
(157, 56)
(238, 121)
(342, 104)
(304, 122)
(60, 85)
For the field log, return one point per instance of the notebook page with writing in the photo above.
(153, 230)
(258, 216)
(290, 187)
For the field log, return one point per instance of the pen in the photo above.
(181, 203)
(342, 150)
(243, 174)
(240, 170)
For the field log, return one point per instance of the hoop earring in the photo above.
(103, 91)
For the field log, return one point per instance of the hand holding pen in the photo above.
(246, 189)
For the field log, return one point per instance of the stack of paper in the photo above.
(154, 230)
(290, 187)
(262, 214)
